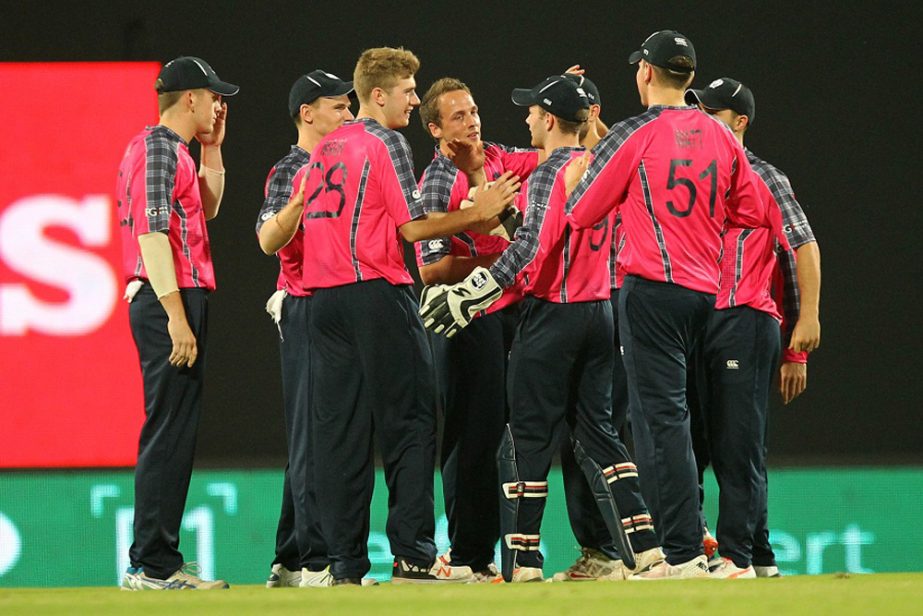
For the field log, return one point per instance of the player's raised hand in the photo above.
(468, 156)
(793, 379)
(450, 308)
(216, 136)
(575, 172)
(184, 351)
(806, 335)
(491, 201)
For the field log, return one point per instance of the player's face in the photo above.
(536, 123)
(725, 115)
(329, 113)
(399, 102)
(205, 107)
(459, 117)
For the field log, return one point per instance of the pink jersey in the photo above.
(360, 190)
(281, 183)
(444, 187)
(675, 174)
(158, 192)
(554, 261)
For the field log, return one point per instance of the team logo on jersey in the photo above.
(732, 364)
(716, 84)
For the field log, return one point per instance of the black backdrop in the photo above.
(837, 96)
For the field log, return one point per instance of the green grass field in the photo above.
(830, 594)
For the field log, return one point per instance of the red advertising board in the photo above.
(70, 383)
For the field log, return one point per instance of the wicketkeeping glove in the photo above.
(450, 308)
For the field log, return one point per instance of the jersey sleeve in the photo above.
(521, 161)
(436, 193)
(151, 210)
(278, 191)
(399, 187)
(615, 159)
(795, 224)
(522, 251)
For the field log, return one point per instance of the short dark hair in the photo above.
(567, 126)
(676, 79)
(429, 106)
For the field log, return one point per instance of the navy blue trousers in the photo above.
(172, 406)
(299, 519)
(372, 376)
(560, 378)
(471, 368)
(734, 380)
(660, 325)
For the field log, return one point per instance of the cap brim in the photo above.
(523, 97)
(705, 98)
(224, 88)
(635, 56)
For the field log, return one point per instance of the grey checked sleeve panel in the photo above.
(436, 192)
(525, 243)
(795, 224)
(603, 152)
(159, 179)
(279, 184)
(399, 152)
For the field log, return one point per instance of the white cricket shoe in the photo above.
(184, 578)
(527, 574)
(316, 579)
(727, 570)
(281, 577)
(489, 575)
(769, 571)
(592, 565)
(691, 569)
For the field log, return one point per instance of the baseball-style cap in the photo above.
(589, 88)
(660, 47)
(725, 93)
(191, 73)
(308, 88)
(557, 95)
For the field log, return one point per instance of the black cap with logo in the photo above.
(725, 93)
(589, 88)
(661, 47)
(308, 88)
(191, 73)
(558, 95)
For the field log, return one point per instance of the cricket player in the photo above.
(163, 204)
(318, 103)
(472, 365)
(742, 345)
(370, 359)
(675, 175)
(561, 359)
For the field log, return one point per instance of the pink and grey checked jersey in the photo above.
(444, 187)
(158, 192)
(360, 190)
(283, 179)
(674, 174)
(550, 259)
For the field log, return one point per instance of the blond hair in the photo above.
(383, 67)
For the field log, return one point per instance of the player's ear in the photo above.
(378, 96)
